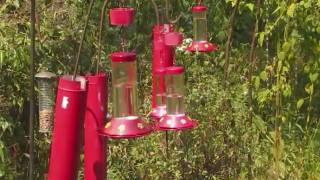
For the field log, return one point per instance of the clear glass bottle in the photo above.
(200, 29)
(175, 91)
(124, 84)
(160, 88)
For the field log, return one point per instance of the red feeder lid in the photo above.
(199, 8)
(176, 122)
(121, 16)
(174, 70)
(126, 127)
(123, 56)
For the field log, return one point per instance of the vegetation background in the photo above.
(257, 98)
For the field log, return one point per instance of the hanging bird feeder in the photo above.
(46, 83)
(126, 122)
(176, 118)
(171, 39)
(162, 57)
(200, 41)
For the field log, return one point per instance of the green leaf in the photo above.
(261, 38)
(256, 82)
(282, 56)
(309, 89)
(250, 6)
(291, 10)
(263, 75)
(313, 77)
(300, 103)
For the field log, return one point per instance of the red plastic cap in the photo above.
(122, 16)
(123, 56)
(175, 70)
(199, 8)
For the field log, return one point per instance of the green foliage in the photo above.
(283, 139)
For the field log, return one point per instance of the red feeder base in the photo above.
(158, 112)
(201, 46)
(122, 16)
(126, 127)
(176, 122)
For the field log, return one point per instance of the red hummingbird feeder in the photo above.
(126, 122)
(162, 57)
(176, 118)
(171, 39)
(200, 41)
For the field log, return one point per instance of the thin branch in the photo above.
(32, 99)
(252, 58)
(228, 44)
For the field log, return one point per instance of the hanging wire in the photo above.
(102, 14)
(32, 74)
(156, 10)
(82, 39)
(168, 16)
(167, 144)
(122, 39)
(267, 37)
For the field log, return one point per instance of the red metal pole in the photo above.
(67, 129)
(162, 55)
(94, 145)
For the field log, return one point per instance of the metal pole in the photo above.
(31, 115)
(82, 39)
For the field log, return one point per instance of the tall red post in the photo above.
(162, 57)
(95, 113)
(67, 129)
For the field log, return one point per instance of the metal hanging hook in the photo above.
(102, 14)
(168, 14)
(82, 40)
(199, 2)
(156, 10)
